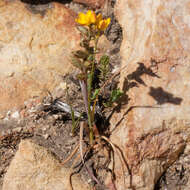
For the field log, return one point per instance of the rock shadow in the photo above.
(134, 79)
(41, 2)
(163, 97)
(139, 72)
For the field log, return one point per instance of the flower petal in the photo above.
(81, 19)
(103, 24)
(91, 16)
(98, 18)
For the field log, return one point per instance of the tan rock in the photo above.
(103, 46)
(34, 50)
(91, 3)
(33, 167)
(152, 128)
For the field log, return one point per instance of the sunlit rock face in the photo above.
(152, 127)
(91, 3)
(34, 46)
(33, 167)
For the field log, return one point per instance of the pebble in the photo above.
(9, 113)
(56, 116)
(15, 115)
(62, 85)
(10, 74)
(8, 132)
(46, 136)
(2, 116)
(17, 129)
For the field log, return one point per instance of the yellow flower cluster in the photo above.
(91, 18)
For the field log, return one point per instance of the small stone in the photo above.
(2, 116)
(6, 119)
(15, 115)
(8, 113)
(56, 116)
(89, 181)
(10, 74)
(9, 131)
(17, 129)
(62, 85)
(44, 128)
(46, 136)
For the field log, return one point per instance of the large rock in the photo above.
(35, 45)
(153, 126)
(34, 168)
(91, 3)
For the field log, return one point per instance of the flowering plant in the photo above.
(91, 27)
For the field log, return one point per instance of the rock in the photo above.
(103, 46)
(153, 126)
(15, 115)
(33, 167)
(91, 3)
(35, 46)
(46, 136)
(17, 129)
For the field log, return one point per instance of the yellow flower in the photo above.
(98, 18)
(91, 16)
(103, 24)
(86, 19)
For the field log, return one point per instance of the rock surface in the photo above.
(153, 126)
(33, 167)
(35, 46)
(91, 3)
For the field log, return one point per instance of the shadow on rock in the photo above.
(140, 71)
(40, 2)
(163, 97)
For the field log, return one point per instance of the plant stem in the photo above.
(90, 113)
(87, 101)
(83, 85)
(90, 122)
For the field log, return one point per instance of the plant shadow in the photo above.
(163, 97)
(133, 80)
(139, 72)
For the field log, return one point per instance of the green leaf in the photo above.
(96, 92)
(81, 76)
(104, 60)
(115, 95)
(77, 62)
(83, 30)
(90, 58)
(103, 67)
(107, 104)
(87, 64)
(80, 54)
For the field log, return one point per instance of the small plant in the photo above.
(91, 27)
(115, 95)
